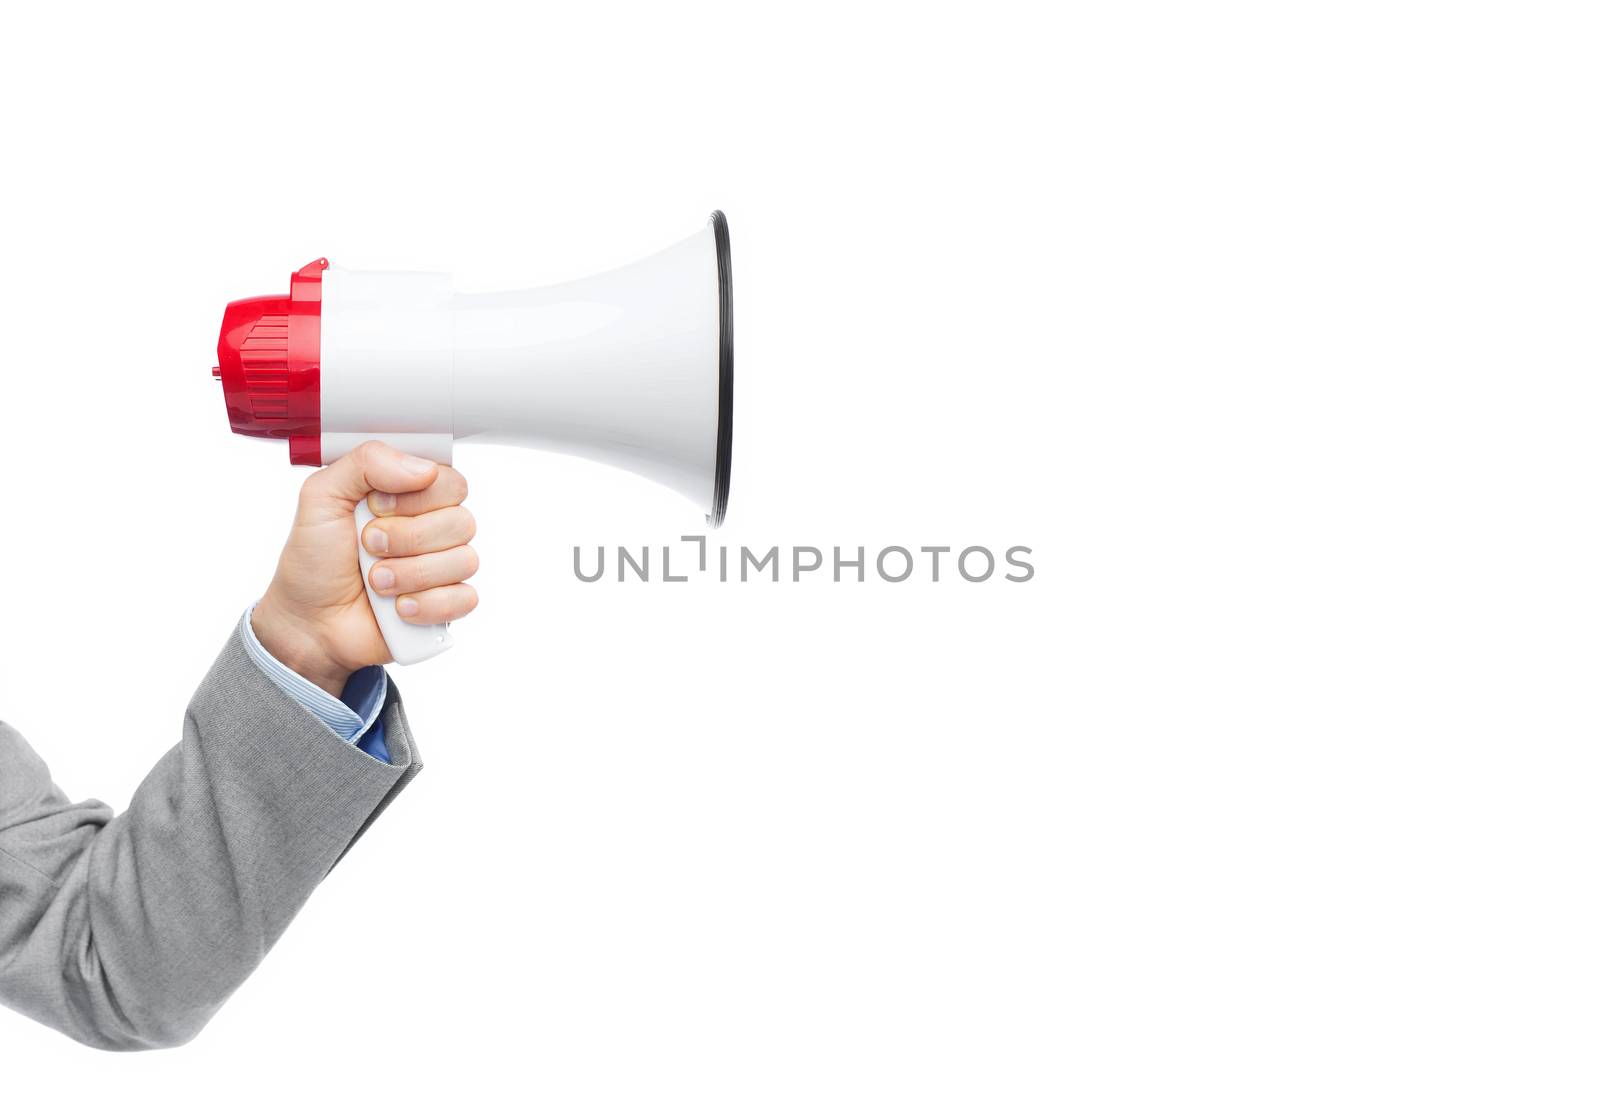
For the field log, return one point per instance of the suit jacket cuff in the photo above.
(320, 795)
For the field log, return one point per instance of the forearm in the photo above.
(150, 920)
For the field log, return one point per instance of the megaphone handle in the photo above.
(408, 643)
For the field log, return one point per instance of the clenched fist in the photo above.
(314, 617)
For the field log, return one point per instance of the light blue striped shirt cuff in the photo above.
(334, 714)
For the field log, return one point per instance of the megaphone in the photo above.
(632, 367)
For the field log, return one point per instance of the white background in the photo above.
(1270, 328)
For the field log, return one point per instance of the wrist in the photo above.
(293, 641)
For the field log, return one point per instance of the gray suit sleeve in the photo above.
(129, 931)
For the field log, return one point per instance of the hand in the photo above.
(314, 617)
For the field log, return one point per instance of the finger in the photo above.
(370, 466)
(449, 488)
(443, 603)
(423, 572)
(418, 535)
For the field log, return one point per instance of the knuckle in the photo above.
(469, 523)
(470, 562)
(424, 571)
(402, 536)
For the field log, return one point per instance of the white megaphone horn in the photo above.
(633, 367)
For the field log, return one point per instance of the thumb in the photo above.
(372, 466)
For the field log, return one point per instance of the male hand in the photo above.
(314, 617)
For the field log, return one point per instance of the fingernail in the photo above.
(382, 503)
(378, 541)
(382, 578)
(408, 607)
(411, 464)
